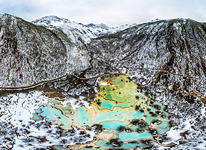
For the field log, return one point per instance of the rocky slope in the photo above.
(172, 53)
(29, 53)
(32, 53)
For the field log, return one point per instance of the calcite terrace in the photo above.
(124, 116)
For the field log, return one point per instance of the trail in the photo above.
(20, 88)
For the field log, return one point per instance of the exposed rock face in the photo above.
(29, 53)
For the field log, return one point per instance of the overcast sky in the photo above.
(109, 12)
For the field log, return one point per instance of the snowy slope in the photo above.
(29, 53)
(73, 29)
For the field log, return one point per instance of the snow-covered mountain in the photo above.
(27, 52)
(74, 30)
(51, 47)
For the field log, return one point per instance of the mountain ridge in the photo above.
(77, 42)
(92, 30)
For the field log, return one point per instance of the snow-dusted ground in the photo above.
(19, 131)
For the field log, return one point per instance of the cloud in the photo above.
(110, 12)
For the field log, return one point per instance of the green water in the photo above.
(125, 136)
(118, 105)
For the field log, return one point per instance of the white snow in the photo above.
(203, 111)
(92, 30)
(102, 83)
(174, 134)
(76, 103)
(21, 106)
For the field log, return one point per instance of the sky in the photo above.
(110, 12)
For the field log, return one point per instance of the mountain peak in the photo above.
(180, 20)
(52, 20)
(5, 15)
(103, 26)
(49, 19)
(7, 18)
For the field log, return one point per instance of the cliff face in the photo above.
(29, 53)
